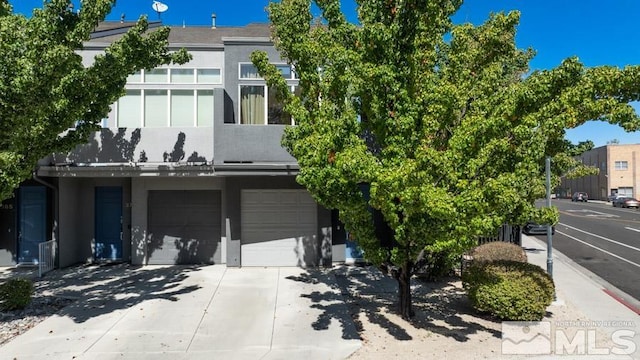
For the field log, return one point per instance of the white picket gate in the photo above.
(46, 257)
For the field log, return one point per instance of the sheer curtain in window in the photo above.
(252, 105)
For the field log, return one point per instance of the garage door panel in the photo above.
(278, 228)
(203, 216)
(281, 252)
(182, 251)
(184, 226)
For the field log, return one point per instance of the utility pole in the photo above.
(549, 231)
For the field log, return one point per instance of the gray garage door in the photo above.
(279, 228)
(184, 227)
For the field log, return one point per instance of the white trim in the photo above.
(195, 108)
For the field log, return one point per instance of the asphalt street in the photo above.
(603, 239)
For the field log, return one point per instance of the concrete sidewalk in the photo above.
(208, 312)
(607, 309)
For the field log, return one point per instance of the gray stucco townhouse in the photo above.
(187, 169)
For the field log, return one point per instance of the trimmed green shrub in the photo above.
(15, 294)
(509, 290)
(434, 265)
(498, 250)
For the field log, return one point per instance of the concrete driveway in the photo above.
(176, 312)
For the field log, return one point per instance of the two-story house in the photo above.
(187, 169)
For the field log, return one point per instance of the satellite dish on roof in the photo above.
(159, 7)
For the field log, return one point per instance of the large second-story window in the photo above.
(258, 103)
(204, 114)
(171, 97)
(252, 104)
(155, 108)
(130, 109)
(259, 106)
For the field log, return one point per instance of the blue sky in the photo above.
(599, 32)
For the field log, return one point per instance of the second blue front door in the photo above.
(108, 223)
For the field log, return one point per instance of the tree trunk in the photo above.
(404, 291)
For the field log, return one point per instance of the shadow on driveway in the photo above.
(441, 307)
(102, 289)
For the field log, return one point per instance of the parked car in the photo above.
(532, 228)
(610, 198)
(580, 196)
(626, 202)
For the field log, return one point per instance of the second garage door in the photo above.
(184, 227)
(278, 228)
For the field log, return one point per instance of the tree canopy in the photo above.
(49, 101)
(445, 121)
(579, 148)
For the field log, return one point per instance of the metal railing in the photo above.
(506, 233)
(46, 257)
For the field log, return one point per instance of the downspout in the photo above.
(56, 201)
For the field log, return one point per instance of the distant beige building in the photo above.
(619, 173)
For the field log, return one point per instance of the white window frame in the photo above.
(168, 86)
(293, 76)
(167, 108)
(141, 123)
(621, 165)
(626, 191)
(166, 80)
(194, 106)
(142, 74)
(195, 74)
(116, 108)
(265, 87)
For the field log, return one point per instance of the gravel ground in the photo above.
(16, 322)
(445, 325)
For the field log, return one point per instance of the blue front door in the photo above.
(108, 223)
(32, 220)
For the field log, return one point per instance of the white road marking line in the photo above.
(601, 237)
(592, 213)
(597, 248)
(632, 229)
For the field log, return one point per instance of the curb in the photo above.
(620, 296)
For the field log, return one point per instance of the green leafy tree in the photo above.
(444, 122)
(579, 148)
(44, 88)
